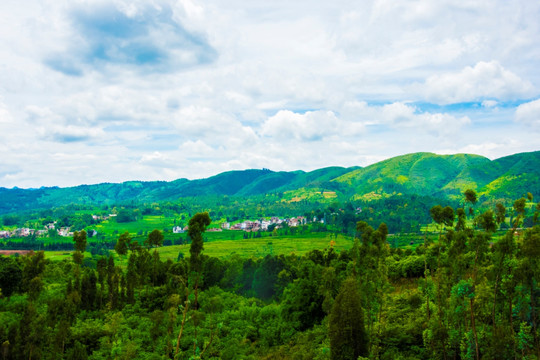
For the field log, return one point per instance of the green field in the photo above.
(260, 247)
(279, 245)
(62, 255)
(147, 223)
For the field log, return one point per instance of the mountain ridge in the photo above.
(422, 173)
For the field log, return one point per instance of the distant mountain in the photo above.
(519, 174)
(442, 176)
(232, 183)
(447, 176)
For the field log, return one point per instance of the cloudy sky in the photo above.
(109, 91)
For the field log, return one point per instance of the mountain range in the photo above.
(441, 176)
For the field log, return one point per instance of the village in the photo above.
(253, 226)
(46, 231)
(246, 225)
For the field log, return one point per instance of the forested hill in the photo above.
(419, 173)
(445, 176)
(232, 183)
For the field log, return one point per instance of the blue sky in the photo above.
(109, 91)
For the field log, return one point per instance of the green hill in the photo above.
(447, 176)
(440, 176)
(419, 173)
(518, 174)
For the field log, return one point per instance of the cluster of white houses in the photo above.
(103, 217)
(257, 225)
(24, 232)
(62, 231)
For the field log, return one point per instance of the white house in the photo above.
(178, 230)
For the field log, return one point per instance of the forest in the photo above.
(468, 291)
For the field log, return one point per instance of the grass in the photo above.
(257, 247)
(229, 243)
(308, 194)
(147, 223)
(62, 255)
(279, 245)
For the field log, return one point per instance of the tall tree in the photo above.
(155, 238)
(348, 338)
(79, 239)
(79, 243)
(529, 273)
(371, 270)
(479, 247)
(34, 265)
(500, 213)
(519, 208)
(487, 221)
(123, 244)
(436, 213)
(10, 275)
(461, 223)
(442, 216)
(503, 250)
(196, 227)
(471, 198)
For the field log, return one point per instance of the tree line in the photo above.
(463, 293)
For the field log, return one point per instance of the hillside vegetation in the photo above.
(465, 292)
(447, 175)
(425, 174)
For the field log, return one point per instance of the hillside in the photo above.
(447, 176)
(243, 183)
(441, 176)
(420, 173)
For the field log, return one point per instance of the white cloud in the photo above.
(213, 127)
(529, 114)
(444, 124)
(311, 126)
(489, 103)
(5, 115)
(142, 37)
(238, 98)
(401, 116)
(11, 142)
(355, 119)
(49, 125)
(398, 113)
(495, 148)
(484, 80)
(197, 150)
(70, 133)
(158, 159)
(195, 88)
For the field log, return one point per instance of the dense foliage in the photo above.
(463, 293)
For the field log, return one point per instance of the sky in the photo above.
(111, 91)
